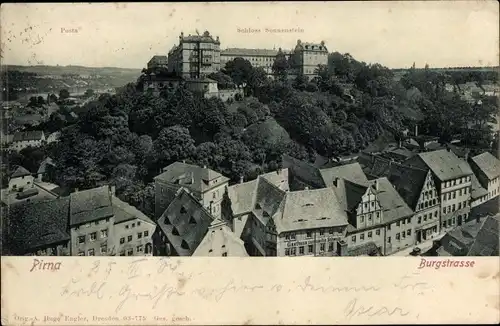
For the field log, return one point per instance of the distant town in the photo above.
(237, 152)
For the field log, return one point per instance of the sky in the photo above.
(127, 35)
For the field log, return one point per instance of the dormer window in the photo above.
(175, 231)
(192, 220)
(184, 245)
(257, 206)
(183, 210)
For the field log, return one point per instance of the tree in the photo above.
(281, 66)
(64, 94)
(173, 144)
(239, 69)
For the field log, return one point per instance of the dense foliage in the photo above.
(127, 138)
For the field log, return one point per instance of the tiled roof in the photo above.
(351, 172)
(394, 207)
(219, 240)
(29, 226)
(185, 223)
(90, 205)
(161, 59)
(205, 37)
(191, 176)
(124, 212)
(488, 164)
(477, 190)
(304, 171)
(28, 135)
(242, 196)
(408, 181)
(366, 249)
(267, 200)
(349, 194)
(308, 209)
(248, 52)
(487, 239)
(445, 164)
(20, 172)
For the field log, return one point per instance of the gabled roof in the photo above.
(477, 190)
(394, 207)
(125, 212)
(219, 240)
(351, 172)
(267, 200)
(488, 164)
(32, 225)
(304, 171)
(44, 165)
(445, 164)
(349, 194)
(487, 240)
(191, 176)
(20, 172)
(309, 209)
(185, 223)
(408, 182)
(242, 196)
(28, 135)
(160, 59)
(90, 205)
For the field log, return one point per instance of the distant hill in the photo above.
(70, 70)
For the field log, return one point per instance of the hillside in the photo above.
(74, 70)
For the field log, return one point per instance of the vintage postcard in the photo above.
(250, 163)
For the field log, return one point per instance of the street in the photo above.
(424, 246)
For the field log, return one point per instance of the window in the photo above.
(453, 220)
(378, 214)
(330, 231)
(310, 249)
(293, 251)
(369, 234)
(370, 217)
(122, 240)
(353, 238)
(138, 223)
(454, 194)
(287, 236)
(330, 246)
(126, 226)
(389, 227)
(81, 239)
(90, 252)
(139, 248)
(81, 253)
(321, 232)
(408, 232)
(362, 218)
(146, 233)
(139, 235)
(460, 192)
(287, 252)
(377, 231)
(104, 249)
(133, 225)
(404, 221)
(419, 220)
(397, 223)
(129, 238)
(373, 204)
(224, 254)
(425, 217)
(130, 252)
(301, 250)
(459, 205)
(292, 236)
(309, 234)
(388, 239)
(435, 213)
(104, 233)
(322, 247)
(93, 236)
(362, 236)
(453, 207)
(397, 236)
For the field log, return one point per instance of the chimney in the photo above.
(342, 248)
(184, 161)
(416, 130)
(376, 184)
(400, 143)
(204, 166)
(112, 190)
(336, 182)
(76, 190)
(241, 179)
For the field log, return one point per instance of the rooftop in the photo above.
(248, 52)
(394, 207)
(191, 176)
(185, 223)
(220, 240)
(20, 172)
(351, 172)
(90, 205)
(408, 182)
(488, 164)
(445, 164)
(309, 209)
(124, 212)
(33, 225)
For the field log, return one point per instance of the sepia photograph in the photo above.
(331, 130)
